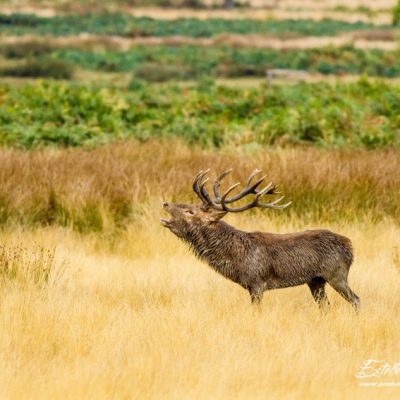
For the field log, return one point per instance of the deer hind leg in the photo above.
(341, 285)
(256, 294)
(317, 287)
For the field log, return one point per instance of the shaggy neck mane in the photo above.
(213, 243)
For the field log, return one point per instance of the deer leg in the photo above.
(256, 294)
(317, 287)
(342, 287)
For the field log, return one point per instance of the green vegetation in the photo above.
(43, 68)
(192, 62)
(129, 26)
(396, 14)
(362, 114)
(27, 49)
(162, 63)
(358, 10)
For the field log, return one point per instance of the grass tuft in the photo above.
(26, 265)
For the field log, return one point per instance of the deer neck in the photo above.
(214, 244)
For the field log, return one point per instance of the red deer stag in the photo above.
(260, 261)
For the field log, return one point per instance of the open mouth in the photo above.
(164, 221)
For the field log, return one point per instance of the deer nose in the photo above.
(165, 204)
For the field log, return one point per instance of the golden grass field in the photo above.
(130, 313)
(147, 320)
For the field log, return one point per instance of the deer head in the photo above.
(211, 210)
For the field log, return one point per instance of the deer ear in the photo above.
(216, 215)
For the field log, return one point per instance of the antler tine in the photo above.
(244, 192)
(264, 191)
(200, 190)
(196, 185)
(274, 204)
(223, 198)
(255, 202)
(209, 201)
(253, 174)
(221, 202)
(218, 182)
(253, 188)
(273, 190)
(199, 177)
(204, 193)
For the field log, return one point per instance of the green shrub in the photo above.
(136, 84)
(161, 73)
(40, 68)
(127, 25)
(183, 62)
(20, 20)
(359, 114)
(26, 49)
(161, 63)
(396, 14)
(240, 70)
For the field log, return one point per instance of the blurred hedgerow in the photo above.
(40, 68)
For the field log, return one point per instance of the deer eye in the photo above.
(189, 212)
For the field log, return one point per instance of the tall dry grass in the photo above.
(145, 319)
(125, 311)
(108, 187)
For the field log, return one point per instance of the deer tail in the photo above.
(347, 251)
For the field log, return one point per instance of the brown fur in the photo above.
(260, 261)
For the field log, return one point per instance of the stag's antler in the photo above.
(220, 202)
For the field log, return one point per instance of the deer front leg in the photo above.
(317, 287)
